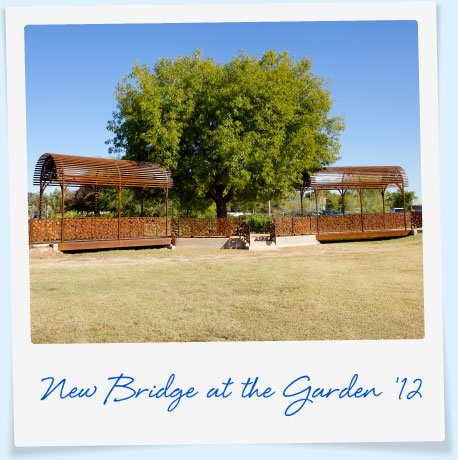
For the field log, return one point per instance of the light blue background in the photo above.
(448, 103)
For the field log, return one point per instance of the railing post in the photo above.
(317, 215)
(292, 225)
(273, 231)
(404, 203)
(208, 226)
(361, 209)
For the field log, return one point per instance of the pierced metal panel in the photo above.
(44, 230)
(106, 228)
(350, 223)
(206, 227)
(416, 219)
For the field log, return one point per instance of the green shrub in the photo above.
(257, 223)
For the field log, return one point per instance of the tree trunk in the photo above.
(221, 201)
(221, 208)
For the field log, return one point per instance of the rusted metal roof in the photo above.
(358, 177)
(55, 169)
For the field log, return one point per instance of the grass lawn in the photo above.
(352, 290)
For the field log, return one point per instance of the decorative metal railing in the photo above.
(95, 228)
(416, 219)
(307, 225)
(44, 230)
(99, 228)
(203, 227)
(244, 231)
(185, 227)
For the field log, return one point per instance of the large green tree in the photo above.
(395, 199)
(247, 128)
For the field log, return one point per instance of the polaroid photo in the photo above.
(225, 224)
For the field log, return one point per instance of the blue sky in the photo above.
(72, 72)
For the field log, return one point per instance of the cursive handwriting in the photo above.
(299, 387)
(298, 393)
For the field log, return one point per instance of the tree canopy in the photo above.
(247, 128)
(395, 199)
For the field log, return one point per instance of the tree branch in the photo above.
(229, 196)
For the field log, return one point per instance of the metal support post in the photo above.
(96, 201)
(142, 200)
(62, 211)
(40, 205)
(361, 208)
(166, 212)
(404, 204)
(317, 214)
(119, 210)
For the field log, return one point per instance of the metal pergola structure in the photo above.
(360, 178)
(68, 170)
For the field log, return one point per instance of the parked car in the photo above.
(416, 206)
(397, 209)
(327, 212)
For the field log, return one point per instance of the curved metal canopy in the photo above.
(358, 177)
(55, 169)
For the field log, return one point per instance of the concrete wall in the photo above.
(261, 243)
(299, 240)
(210, 243)
(257, 243)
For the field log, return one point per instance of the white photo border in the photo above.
(202, 365)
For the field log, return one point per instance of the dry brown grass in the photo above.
(358, 290)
